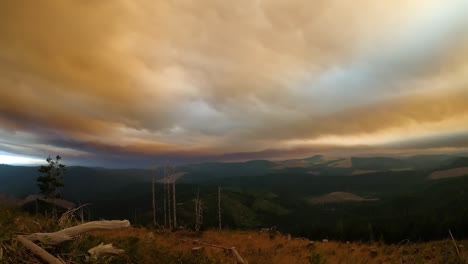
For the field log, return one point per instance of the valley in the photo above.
(386, 203)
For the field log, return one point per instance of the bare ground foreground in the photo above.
(143, 245)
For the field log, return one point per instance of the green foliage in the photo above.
(240, 215)
(270, 207)
(258, 194)
(51, 179)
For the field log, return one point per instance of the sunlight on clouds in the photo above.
(389, 137)
(215, 77)
(19, 160)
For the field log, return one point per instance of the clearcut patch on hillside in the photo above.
(451, 173)
(339, 197)
(359, 172)
(342, 163)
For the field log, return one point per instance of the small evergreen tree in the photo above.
(50, 181)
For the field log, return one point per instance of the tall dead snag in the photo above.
(154, 199)
(165, 208)
(219, 207)
(169, 215)
(174, 202)
(154, 172)
(198, 212)
(454, 243)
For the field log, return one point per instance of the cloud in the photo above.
(210, 78)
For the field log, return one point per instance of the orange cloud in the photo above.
(208, 78)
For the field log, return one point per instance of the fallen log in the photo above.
(238, 257)
(40, 252)
(197, 250)
(102, 249)
(233, 250)
(68, 233)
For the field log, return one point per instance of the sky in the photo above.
(134, 82)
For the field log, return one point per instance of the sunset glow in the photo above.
(136, 81)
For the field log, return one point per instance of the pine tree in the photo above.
(50, 181)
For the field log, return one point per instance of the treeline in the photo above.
(417, 216)
(408, 207)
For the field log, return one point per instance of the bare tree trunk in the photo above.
(169, 204)
(102, 249)
(44, 255)
(199, 213)
(233, 250)
(454, 243)
(197, 224)
(165, 208)
(219, 207)
(174, 202)
(66, 234)
(154, 202)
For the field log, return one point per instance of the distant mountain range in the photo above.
(87, 182)
(416, 197)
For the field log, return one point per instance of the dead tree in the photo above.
(165, 207)
(169, 203)
(73, 215)
(101, 249)
(65, 235)
(219, 207)
(174, 202)
(68, 233)
(454, 243)
(232, 250)
(154, 202)
(155, 171)
(37, 250)
(198, 212)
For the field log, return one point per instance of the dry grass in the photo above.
(160, 246)
(258, 248)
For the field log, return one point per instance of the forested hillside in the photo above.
(396, 198)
